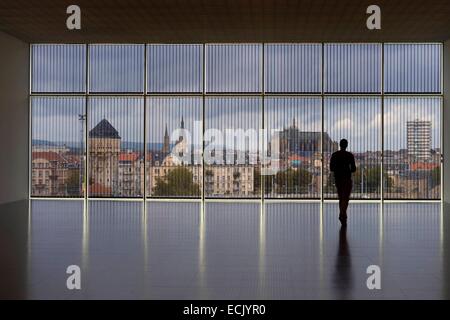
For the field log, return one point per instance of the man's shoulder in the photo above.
(342, 153)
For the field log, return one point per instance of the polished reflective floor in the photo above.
(183, 250)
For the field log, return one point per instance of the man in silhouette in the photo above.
(342, 164)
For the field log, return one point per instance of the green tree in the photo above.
(257, 181)
(366, 180)
(178, 182)
(371, 180)
(268, 183)
(293, 181)
(257, 178)
(435, 176)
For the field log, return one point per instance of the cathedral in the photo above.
(294, 141)
(166, 144)
(174, 155)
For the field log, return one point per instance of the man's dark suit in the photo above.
(342, 164)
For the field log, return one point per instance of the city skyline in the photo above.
(294, 96)
(119, 116)
(118, 162)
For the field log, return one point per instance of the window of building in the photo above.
(259, 118)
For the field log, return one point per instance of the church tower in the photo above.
(104, 150)
(180, 138)
(166, 145)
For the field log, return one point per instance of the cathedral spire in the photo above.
(166, 144)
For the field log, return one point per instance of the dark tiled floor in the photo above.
(234, 250)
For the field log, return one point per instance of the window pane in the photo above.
(413, 68)
(293, 68)
(352, 68)
(233, 68)
(58, 68)
(175, 68)
(358, 120)
(290, 147)
(116, 68)
(232, 147)
(174, 147)
(293, 145)
(115, 224)
(116, 147)
(412, 147)
(57, 146)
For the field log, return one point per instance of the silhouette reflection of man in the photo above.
(342, 164)
(343, 275)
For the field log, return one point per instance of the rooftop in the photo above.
(104, 129)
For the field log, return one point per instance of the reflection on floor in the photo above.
(182, 250)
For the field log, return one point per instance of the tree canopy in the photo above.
(177, 182)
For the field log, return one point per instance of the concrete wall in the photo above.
(14, 83)
(14, 251)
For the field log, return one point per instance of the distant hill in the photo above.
(75, 146)
(140, 146)
(37, 142)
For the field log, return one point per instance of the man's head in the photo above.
(343, 144)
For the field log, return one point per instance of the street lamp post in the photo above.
(362, 181)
